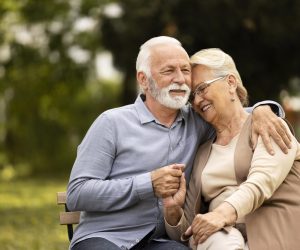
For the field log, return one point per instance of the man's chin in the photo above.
(175, 103)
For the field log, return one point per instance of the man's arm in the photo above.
(90, 187)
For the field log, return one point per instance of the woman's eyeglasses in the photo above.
(202, 88)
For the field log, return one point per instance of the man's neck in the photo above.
(163, 114)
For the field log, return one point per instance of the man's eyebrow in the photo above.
(167, 67)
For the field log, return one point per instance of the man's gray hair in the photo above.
(143, 58)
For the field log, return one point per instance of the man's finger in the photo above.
(169, 192)
(254, 139)
(175, 172)
(172, 179)
(267, 143)
(284, 133)
(179, 166)
(279, 141)
(173, 186)
(182, 182)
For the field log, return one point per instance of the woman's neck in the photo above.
(230, 125)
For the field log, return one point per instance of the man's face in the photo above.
(171, 76)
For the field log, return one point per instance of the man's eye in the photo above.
(169, 71)
(186, 71)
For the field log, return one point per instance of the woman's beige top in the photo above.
(265, 175)
(275, 224)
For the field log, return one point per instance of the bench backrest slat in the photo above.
(67, 218)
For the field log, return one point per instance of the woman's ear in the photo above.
(142, 80)
(232, 82)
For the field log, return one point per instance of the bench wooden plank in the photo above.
(66, 218)
(61, 198)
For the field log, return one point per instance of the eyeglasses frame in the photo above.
(200, 92)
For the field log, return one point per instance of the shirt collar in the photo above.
(146, 116)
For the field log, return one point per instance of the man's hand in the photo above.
(266, 124)
(166, 180)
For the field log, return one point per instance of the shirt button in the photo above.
(123, 248)
(137, 240)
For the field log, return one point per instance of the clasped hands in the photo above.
(167, 180)
(169, 183)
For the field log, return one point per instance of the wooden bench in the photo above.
(67, 218)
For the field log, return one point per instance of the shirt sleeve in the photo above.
(276, 107)
(265, 176)
(90, 187)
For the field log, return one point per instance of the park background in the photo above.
(63, 62)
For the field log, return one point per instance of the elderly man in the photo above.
(134, 155)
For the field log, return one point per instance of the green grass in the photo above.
(29, 215)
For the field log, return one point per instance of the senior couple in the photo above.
(159, 174)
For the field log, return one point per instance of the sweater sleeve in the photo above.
(266, 174)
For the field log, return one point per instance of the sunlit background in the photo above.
(63, 62)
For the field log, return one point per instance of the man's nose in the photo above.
(179, 77)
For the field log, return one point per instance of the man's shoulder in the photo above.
(119, 114)
(119, 110)
(189, 113)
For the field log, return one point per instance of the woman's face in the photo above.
(211, 93)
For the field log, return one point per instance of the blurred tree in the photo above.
(262, 36)
(49, 94)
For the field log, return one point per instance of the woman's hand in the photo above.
(205, 225)
(173, 204)
(178, 198)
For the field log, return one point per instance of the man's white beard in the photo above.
(163, 95)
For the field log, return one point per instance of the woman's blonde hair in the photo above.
(221, 64)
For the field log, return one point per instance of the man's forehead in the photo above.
(168, 54)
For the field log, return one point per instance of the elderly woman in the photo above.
(236, 198)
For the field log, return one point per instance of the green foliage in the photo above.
(48, 95)
(262, 36)
(29, 215)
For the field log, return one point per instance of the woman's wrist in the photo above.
(173, 215)
(228, 212)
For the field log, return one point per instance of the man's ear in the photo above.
(142, 80)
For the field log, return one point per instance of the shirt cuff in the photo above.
(276, 107)
(143, 186)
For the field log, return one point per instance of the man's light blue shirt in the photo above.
(110, 179)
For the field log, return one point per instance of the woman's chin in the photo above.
(207, 116)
